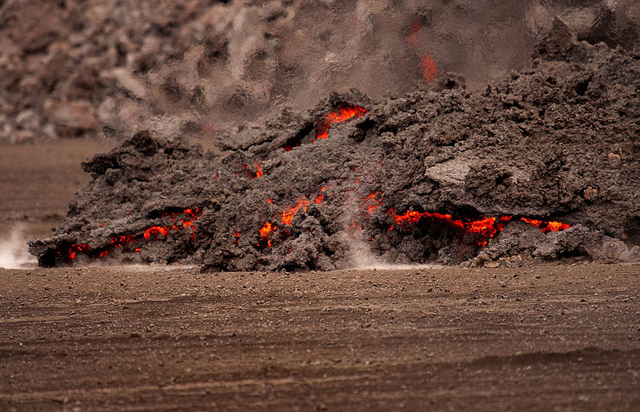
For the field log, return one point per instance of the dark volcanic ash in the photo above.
(543, 165)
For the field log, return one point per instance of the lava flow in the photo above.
(266, 231)
(429, 69)
(151, 233)
(288, 214)
(340, 115)
(547, 227)
(254, 175)
(486, 228)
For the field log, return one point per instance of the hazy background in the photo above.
(74, 68)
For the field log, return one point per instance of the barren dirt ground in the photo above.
(553, 337)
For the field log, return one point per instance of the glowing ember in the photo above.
(338, 116)
(266, 231)
(486, 228)
(254, 175)
(547, 227)
(155, 231)
(320, 195)
(412, 33)
(152, 233)
(429, 69)
(289, 214)
(371, 203)
(76, 248)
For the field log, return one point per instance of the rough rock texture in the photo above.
(559, 142)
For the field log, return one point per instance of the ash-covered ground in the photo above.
(544, 164)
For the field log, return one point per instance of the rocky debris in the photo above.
(518, 174)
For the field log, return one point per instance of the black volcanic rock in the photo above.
(559, 142)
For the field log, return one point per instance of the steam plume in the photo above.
(13, 250)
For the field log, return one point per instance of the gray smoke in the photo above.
(13, 250)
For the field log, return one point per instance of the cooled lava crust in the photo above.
(543, 165)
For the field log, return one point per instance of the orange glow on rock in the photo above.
(412, 33)
(154, 231)
(320, 196)
(338, 116)
(266, 231)
(486, 227)
(289, 214)
(429, 69)
(76, 248)
(547, 227)
(371, 203)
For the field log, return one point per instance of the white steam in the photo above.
(13, 250)
(364, 259)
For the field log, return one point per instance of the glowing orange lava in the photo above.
(254, 175)
(320, 195)
(152, 233)
(266, 230)
(486, 227)
(76, 248)
(429, 69)
(155, 231)
(547, 227)
(340, 115)
(371, 203)
(289, 214)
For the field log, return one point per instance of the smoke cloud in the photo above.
(13, 250)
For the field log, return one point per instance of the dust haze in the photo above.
(255, 57)
(14, 252)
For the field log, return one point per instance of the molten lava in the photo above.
(320, 195)
(76, 248)
(155, 231)
(485, 228)
(429, 69)
(259, 171)
(254, 175)
(371, 203)
(289, 214)
(338, 116)
(151, 233)
(266, 231)
(547, 227)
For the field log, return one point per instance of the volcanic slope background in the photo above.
(76, 68)
(544, 164)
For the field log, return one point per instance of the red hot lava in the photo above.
(486, 228)
(289, 214)
(338, 116)
(429, 69)
(151, 233)
(266, 231)
(546, 227)
(254, 175)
